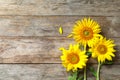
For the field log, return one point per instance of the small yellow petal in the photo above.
(69, 36)
(113, 55)
(60, 30)
(109, 58)
(61, 48)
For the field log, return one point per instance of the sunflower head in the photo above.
(103, 50)
(86, 31)
(73, 58)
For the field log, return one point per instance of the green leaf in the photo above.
(70, 78)
(89, 54)
(93, 71)
(73, 76)
(81, 78)
(108, 62)
(81, 47)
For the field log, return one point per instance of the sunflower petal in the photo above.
(60, 30)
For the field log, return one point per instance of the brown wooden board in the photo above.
(38, 49)
(49, 25)
(29, 34)
(60, 7)
(50, 72)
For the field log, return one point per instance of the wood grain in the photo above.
(32, 72)
(60, 7)
(49, 72)
(29, 34)
(107, 72)
(31, 50)
(49, 25)
(38, 49)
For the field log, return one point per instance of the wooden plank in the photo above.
(38, 49)
(49, 72)
(31, 50)
(108, 72)
(32, 72)
(49, 25)
(60, 7)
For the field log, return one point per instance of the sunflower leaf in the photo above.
(81, 47)
(81, 78)
(93, 71)
(70, 78)
(88, 54)
(108, 62)
(73, 76)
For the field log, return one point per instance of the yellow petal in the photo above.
(60, 30)
(61, 48)
(69, 67)
(69, 36)
(109, 58)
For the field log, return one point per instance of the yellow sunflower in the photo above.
(73, 58)
(103, 50)
(86, 31)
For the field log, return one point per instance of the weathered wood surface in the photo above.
(49, 72)
(32, 72)
(48, 25)
(29, 34)
(38, 49)
(60, 7)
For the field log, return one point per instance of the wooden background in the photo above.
(29, 38)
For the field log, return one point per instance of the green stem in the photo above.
(77, 75)
(85, 76)
(98, 71)
(85, 48)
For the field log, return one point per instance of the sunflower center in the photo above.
(102, 49)
(87, 33)
(73, 58)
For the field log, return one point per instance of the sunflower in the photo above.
(73, 58)
(86, 31)
(103, 50)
